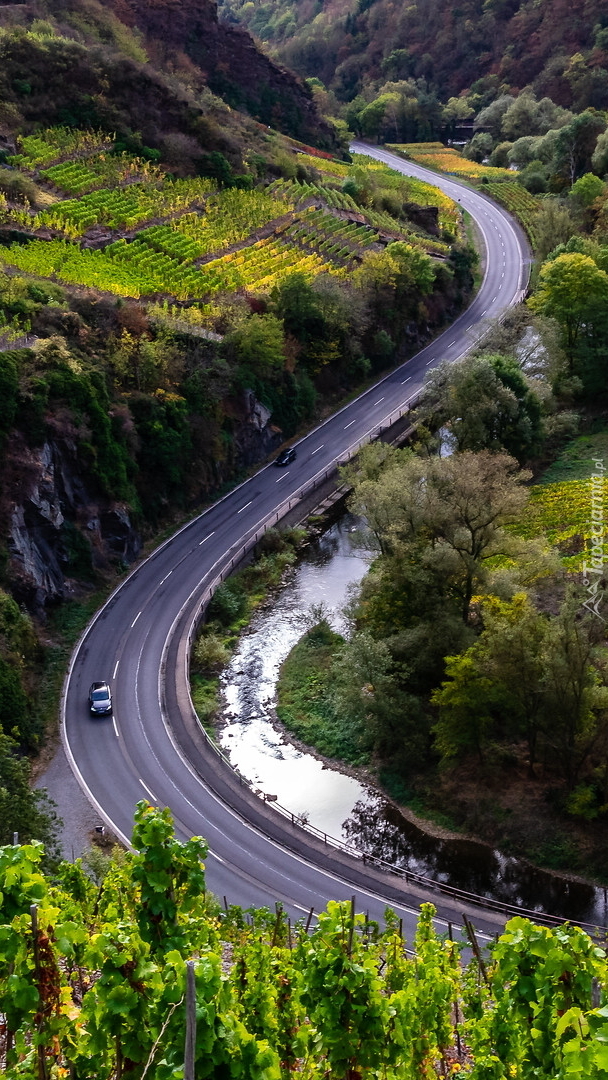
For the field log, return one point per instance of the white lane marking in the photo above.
(470, 327)
(116, 732)
(115, 668)
(165, 578)
(135, 619)
(378, 401)
(218, 858)
(350, 424)
(282, 477)
(452, 343)
(483, 312)
(150, 793)
(245, 506)
(318, 448)
(406, 380)
(493, 299)
(205, 538)
(430, 361)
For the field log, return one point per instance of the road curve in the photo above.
(152, 748)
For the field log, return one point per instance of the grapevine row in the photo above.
(104, 980)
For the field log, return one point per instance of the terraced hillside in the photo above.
(118, 224)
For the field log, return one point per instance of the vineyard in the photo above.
(170, 235)
(118, 208)
(103, 170)
(57, 144)
(447, 160)
(336, 237)
(230, 217)
(137, 270)
(141, 973)
(519, 202)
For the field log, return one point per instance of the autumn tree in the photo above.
(574, 291)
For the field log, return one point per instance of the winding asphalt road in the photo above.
(152, 748)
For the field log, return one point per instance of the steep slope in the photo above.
(233, 66)
(350, 43)
(90, 65)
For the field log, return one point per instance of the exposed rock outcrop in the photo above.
(60, 530)
(57, 528)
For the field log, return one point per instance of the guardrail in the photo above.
(232, 559)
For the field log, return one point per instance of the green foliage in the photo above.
(540, 1022)
(526, 677)
(573, 290)
(228, 604)
(587, 189)
(171, 880)
(28, 813)
(487, 402)
(84, 991)
(258, 347)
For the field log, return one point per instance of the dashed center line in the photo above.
(115, 668)
(318, 448)
(378, 401)
(245, 506)
(350, 424)
(406, 380)
(277, 481)
(205, 538)
(165, 577)
(135, 619)
(430, 361)
(116, 732)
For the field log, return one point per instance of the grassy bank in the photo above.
(305, 703)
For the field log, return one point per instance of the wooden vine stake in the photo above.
(190, 1046)
(41, 1050)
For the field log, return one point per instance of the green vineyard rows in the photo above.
(143, 974)
(103, 170)
(57, 143)
(519, 202)
(117, 208)
(135, 269)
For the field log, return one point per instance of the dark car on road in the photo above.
(286, 456)
(100, 699)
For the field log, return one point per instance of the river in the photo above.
(332, 801)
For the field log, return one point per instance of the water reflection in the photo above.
(338, 804)
(258, 750)
(382, 831)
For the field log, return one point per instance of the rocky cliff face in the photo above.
(60, 532)
(233, 66)
(58, 529)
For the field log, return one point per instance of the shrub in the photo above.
(210, 654)
(228, 603)
(18, 187)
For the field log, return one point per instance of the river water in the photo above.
(336, 803)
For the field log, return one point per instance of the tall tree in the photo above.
(447, 513)
(488, 404)
(574, 291)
